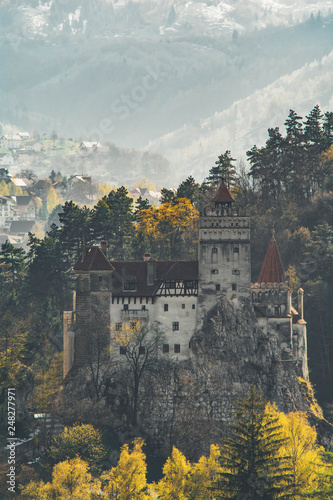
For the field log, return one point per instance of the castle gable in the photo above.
(93, 259)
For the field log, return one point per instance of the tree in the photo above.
(250, 458)
(80, 440)
(189, 189)
(12, 265)
(112, 220)
(70, 480)
(174, 484)
(128, 481)
(203, 476)
(224, 170)
(76, 231)
(139, 345)
(52, 200)
(303, 455)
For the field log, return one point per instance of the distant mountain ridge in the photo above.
(132, 73)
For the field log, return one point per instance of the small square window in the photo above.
(215, 271)
(234, 287)
(214, 250)
(175, 325)
(236, 250)
(166, 307)
(217, 288)
(142, 349)
(193, 306)
(235, 271)
(183, 306)
(122, 349)
(143, 308)
(118, 327)
(176, 348)
(165, 348)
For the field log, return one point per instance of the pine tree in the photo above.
(224, 170)
(250, 458)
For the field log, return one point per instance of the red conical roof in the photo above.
(223, 195)
(272, 270)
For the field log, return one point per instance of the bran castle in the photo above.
(177, 295)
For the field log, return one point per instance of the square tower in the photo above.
(224, 252)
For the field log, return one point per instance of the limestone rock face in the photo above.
(190, 403)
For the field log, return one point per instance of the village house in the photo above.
(6, 159)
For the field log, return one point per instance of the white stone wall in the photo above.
(181, 310)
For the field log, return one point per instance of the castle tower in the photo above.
(224, 252)
(272, 301)
(92, 308)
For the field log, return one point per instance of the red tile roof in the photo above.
(272, 270)
(93, 259)
(223, 195)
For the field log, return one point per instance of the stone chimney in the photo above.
(146, 257)
(300, 295)
(104, 245)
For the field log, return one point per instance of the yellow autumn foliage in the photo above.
(128, 481)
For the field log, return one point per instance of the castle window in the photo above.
(259, 296)
(215, 271)
(122, 349)
(253, 296)
(183, 306)
(236, 224)
(100, 279)
(276, 311)
(214, 255)
(129, 284)
(176, 348)
(165, 348)
(193, 306)
(166, 307)
(278, 327)
(217, 288)
(143, 308)
(142, 349)
(118, 327)
(235, 271)
(236, 250)
(125, 307)
(175, 326)
(234, 287)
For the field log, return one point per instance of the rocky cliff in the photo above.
(190, 404)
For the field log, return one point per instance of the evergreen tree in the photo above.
(223, 171)
(250, 458)
(189, 189)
